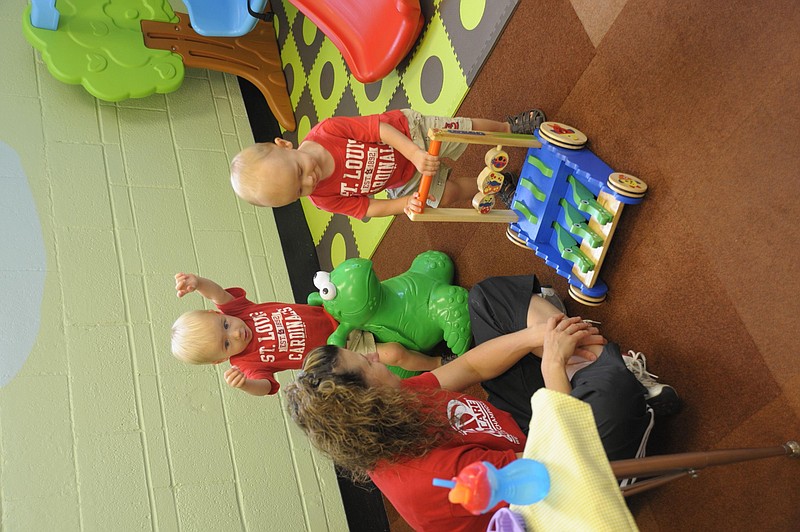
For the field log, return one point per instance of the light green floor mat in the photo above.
(433, 79)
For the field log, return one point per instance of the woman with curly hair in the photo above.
(403, 433)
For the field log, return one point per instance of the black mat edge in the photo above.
(363, 505)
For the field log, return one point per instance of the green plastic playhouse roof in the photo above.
(99, 45)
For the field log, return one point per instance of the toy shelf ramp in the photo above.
(433, 79)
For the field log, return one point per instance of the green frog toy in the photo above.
(417, 308)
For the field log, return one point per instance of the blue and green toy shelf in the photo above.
(568, 203)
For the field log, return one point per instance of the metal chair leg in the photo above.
(668, 467)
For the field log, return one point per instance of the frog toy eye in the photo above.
(327, 290)
(321, 279)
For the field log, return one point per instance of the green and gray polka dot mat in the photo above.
(433, 79)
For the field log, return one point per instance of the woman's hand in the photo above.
(563, 336)
(592, 338)
(561, 339)
(185, 283)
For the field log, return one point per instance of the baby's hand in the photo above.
(425, 162)
(413, 204)
(234, 377)
(185, 283)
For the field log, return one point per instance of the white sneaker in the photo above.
(662, 398)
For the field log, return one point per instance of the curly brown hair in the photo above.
(356, 425)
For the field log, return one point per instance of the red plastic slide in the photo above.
(373, 36)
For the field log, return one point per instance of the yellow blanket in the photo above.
(584, 495)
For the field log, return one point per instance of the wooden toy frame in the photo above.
(437, 136)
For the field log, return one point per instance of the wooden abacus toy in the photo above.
(490, 180)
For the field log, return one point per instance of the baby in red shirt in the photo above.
(344, 161)
(260, 339)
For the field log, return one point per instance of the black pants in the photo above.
(498, 306)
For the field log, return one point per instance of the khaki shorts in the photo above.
(418, 125)
(361, 342)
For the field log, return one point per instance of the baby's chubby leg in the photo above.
(459, 191)
(484, 124)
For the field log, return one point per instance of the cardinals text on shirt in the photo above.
(281, 331)
(367, 169)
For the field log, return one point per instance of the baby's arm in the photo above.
(394, 354)
(186, 283)
(236, 379)
(403, 204)
(388, 207)
(422, 160)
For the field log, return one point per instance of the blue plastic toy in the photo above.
(565, 207)
(224, 18)
(44, 14)
(568, 203)
(480, 486)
